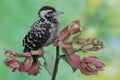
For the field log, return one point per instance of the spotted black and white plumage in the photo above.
(44, 31)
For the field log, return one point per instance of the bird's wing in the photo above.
(36, 37)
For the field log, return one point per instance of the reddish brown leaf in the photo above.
(34, 69)
(64, 33)
(74, 61)
(13, 64)
(38, 52)
(26, 64)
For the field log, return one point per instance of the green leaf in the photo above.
(49, 63)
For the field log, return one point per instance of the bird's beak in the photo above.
(58, 13)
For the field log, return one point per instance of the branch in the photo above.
(56, 63)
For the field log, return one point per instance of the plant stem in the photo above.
(56, 63)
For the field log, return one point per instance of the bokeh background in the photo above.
(99, 18)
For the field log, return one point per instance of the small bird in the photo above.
(43, 32)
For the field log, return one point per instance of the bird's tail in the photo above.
(26, 50)
(35, 58)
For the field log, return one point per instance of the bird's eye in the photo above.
(50, 12)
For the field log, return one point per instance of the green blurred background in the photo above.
(99, 18)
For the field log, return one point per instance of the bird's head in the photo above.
(48, 12)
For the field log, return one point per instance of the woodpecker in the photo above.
(43, 32)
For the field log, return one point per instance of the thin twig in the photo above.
(56, 63)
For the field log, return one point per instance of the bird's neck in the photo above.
(50, 20)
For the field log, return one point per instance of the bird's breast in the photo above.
(53, 34)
